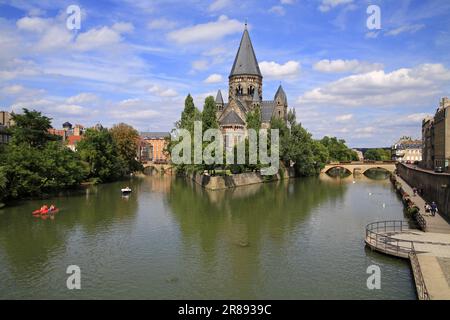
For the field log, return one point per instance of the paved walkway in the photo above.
(435, 224)
(432, 248)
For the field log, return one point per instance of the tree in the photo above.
(209, 118)
(31, 128)
(253, 120)
(126, 139)
(189, 115)
(32, 163)
(30, 172)
(377, 155)
(337, 150)
(99, 150)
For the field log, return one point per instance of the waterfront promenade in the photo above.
(429, 250)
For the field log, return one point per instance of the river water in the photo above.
(302, 239)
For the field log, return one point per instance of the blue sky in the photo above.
(134, 61)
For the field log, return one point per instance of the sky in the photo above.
(135, 61)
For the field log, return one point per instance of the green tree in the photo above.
(209, 118)
(377, 154)
(253, 120)
(126, 139)
(337, 150)
(31, 128)
(99, 150)
(30, 172)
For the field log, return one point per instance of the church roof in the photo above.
(219, 99)
(245, 62)
(232, 118)
(280, 93)
(267, 108)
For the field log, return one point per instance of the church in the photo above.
(245, 94)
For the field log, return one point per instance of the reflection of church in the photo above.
(245, 95)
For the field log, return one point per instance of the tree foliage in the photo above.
(337, 150)
(99, 150)
(377, 154)
(126, 139)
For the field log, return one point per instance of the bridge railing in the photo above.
(377, 235)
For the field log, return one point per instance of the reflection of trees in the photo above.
(28, 242)
(235, 224)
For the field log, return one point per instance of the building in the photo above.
(72, 142)
(155, 148)
(5, 119)
(4, 135)
(428, 143)
(407, 150)
(245, 94)
(359, 154)
(436, 137)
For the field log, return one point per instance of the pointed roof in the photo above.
(232, 118)
(219, 99)
(245, 62)
(280, 93)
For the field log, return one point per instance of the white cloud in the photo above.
(123, 27)
(217, 5)
(377, 88)
(206, 32)
(82, 98)
(200, 65)
(287, 1)
(344, 117)
(407, 28)
(33, 24)
(162, 92)
(273, 70)
(279, 10)
(327, 5)
(96, 38)
(354, 66)
(214, 78)
(161, 24)
(12, 90)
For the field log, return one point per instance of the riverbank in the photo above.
(427, 250)
(214, 183)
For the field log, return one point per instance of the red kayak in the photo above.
(44, 212)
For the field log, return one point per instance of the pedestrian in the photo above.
(427, 208)
(415, 191)
(433, 208)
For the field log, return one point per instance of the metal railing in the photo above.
(421, 221)
(422, 291)
(378, 236)
(385, 243)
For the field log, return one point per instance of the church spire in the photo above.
(245, 62)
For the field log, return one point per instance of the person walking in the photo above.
(433, 208)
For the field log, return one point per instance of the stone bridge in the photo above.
(152, 168)
(360, 167)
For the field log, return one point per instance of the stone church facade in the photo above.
(245, 95)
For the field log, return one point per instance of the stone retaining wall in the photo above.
(435, 187)
(237, 180)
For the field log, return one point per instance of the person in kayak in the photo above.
(52, 208)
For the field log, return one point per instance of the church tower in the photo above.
(245, 78)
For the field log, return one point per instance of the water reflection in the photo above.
(172, 239)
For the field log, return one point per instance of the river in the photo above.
(302, 239)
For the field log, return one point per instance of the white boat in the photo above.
(126, 190)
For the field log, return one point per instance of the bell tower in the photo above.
(245, 80)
